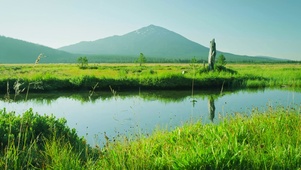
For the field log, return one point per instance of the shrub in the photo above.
(83, 62)
(152, 71)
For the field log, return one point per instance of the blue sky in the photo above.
(248, 27)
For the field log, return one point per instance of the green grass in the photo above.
(31, 141)
(151, 76)
(266, 140)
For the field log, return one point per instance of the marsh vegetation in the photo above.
(264, 139)
(150, 76)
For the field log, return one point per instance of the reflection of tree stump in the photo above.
(212, 54)
(211, 108)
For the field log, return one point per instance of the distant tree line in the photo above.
(150, 59)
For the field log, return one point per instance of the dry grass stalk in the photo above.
(17, 88)
(36, 83)
(39, 58)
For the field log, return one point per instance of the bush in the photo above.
(152, 72)
(82, 62)
(220, 68)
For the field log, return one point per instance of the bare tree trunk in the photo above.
(212, 54)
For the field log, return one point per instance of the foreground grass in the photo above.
(49, 77)
(264, 141)
(269, 140)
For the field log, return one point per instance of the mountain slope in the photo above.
(154, 42)
(18, 51)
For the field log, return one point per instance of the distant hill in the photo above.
(18, 51)
(154, 42)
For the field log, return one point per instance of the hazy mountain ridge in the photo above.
(19, 51)
(154, 42)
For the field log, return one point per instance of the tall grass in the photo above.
(30, 141)
(264, 140)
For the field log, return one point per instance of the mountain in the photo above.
(18, 51)
(154, 42)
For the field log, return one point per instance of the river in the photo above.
(139, 112)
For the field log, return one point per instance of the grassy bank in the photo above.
(47, 77)
(269, 140)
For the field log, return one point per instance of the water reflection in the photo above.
(86, 97)
(144, 111)
(211, 108)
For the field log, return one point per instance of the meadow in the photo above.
(49, 77)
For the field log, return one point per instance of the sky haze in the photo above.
(250, 27)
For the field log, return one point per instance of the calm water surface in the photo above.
(142, 112)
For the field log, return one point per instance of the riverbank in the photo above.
(264, 140)
(121, 77)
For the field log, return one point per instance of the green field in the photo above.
(150, 76)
